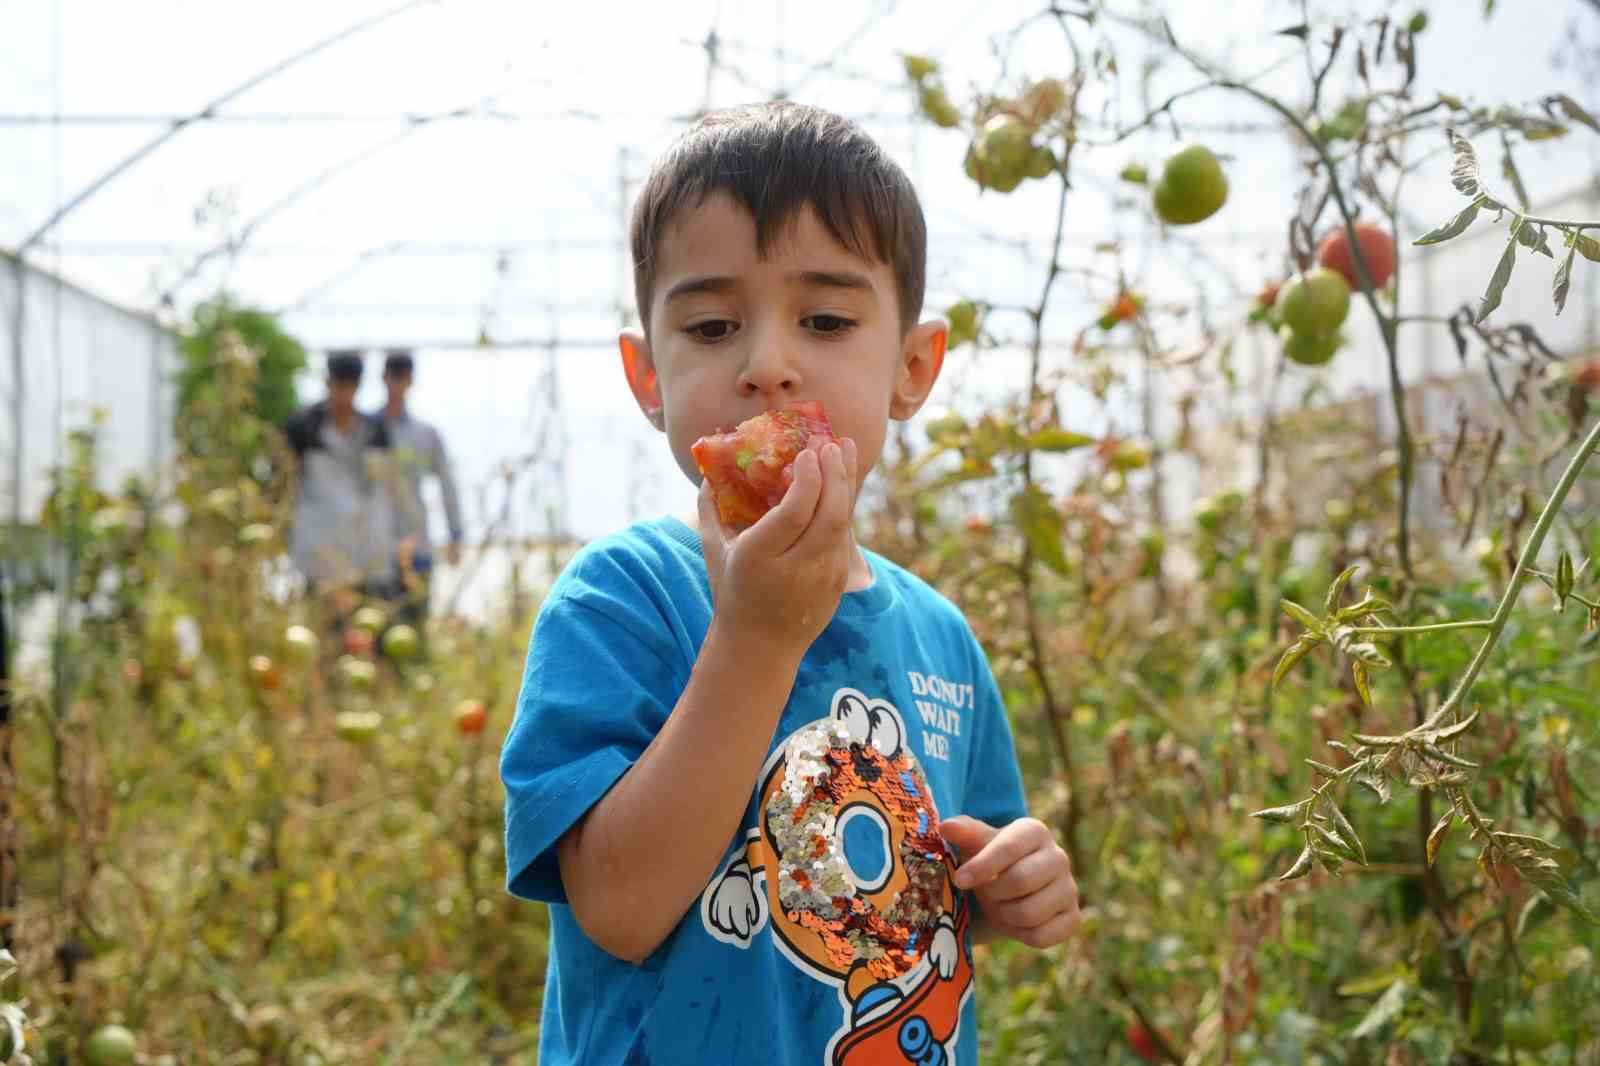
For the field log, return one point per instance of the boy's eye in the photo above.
(715, 330)
(829, 324)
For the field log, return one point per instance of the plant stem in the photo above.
(1530, 552)
(1440, 627)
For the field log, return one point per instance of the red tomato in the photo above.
(1377, 247)
(752, 467)
(1143, 1044)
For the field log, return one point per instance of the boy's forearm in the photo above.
(636, 862)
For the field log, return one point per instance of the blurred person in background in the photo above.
(346, 501)
(419, 452)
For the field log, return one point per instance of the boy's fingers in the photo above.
(1007, 847)
(848, 447)
(779, 529)
(968, 835)
(1028, 875)
(833, 507)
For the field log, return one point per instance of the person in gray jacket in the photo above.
(346, 502)
(419, 452)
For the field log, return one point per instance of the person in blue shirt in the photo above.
(744, 764)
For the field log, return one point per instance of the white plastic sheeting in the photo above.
(82, 360)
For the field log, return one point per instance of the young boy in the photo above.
(733, 750)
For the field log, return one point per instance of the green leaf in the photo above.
(1375, 982)
(1564, 579)
(1336, 590)
(1056, 439)
(1041, 524)
(1587, 247)
(1502, 275)
(1301, 867)
(1464, 174)
(1454, 228)
(1346, 831)
(1563, 280)
(1283, 815)
(1388, 1007)
(1297, 651)
(1437, 834)
(1301, 615)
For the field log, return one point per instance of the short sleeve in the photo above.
(994, 791)
(598, 685)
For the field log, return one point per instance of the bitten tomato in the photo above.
(752, 467)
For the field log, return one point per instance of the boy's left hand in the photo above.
(1022, 878)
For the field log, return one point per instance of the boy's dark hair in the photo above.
(398, 361)
(774, 159)
(344, 365)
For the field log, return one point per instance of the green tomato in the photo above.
(301, 643)
(1192, 186)
(358, 727)
(1529, 1030)
(1314, 303)
(1308, 349)
(401, 643)
(372, 619)
(110, 1045)
(359, 673)
(937, 106)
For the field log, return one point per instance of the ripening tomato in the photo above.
(752, 467)
(471, 716)
(1377, 248)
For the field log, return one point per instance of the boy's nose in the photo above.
(768, 371)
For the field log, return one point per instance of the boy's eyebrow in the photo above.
(835, 279)
(723, 283)
(708, 283)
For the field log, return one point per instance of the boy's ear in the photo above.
(921, 359)
(640, 369)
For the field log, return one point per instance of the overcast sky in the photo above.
(405, 245)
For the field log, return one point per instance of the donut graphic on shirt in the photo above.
(847, 870)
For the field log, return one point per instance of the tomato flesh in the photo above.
(751, 467)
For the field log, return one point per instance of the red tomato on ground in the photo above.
(752, 467)
(1377, 247)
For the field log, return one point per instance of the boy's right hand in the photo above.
(778, 583)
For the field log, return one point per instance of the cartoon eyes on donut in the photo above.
(873, 722)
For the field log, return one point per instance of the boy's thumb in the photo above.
(967, 834)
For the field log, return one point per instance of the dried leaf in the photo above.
(1330, 772)
(1464, 174)
(1436, 752)
(1301, 867)
(1437, 834)
(1346, 831)
(1502, 275)
(1336, 844)
(1569, 107)
(1283, 815)
(1508, 168)
(1535, 239)
(1379, 742)
(1563, 280)
(1375, 780)
(1450, 732)
(1358, 670)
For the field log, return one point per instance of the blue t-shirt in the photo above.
(830, 934)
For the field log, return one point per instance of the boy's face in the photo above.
(733, 334)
